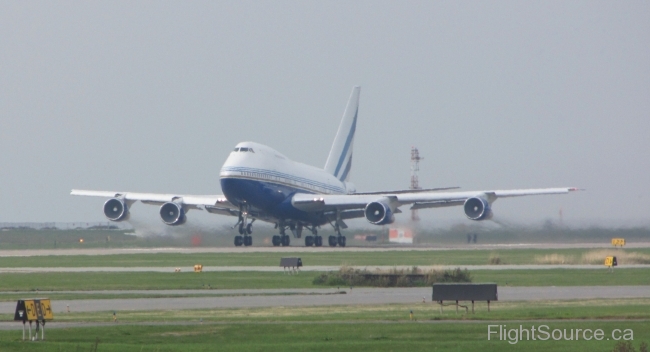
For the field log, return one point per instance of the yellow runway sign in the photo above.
(46, 308)
(33, 309)
(610, 261)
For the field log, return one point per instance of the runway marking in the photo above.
(299, 249)
(315, 268)
(356, 296)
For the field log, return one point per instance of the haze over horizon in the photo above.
(152, 97)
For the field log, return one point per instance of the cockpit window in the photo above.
(251, 150)
(243, 149)
(236, 149)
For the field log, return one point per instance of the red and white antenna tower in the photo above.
(415, 182)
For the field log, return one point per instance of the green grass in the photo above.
(306, 336)
(334, 336)
(257, 280)
(13, 297)
(151, 281)
(564, 277)
(444, 257)
(338, 328)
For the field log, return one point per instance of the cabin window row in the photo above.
(298, 183)
(243, 149)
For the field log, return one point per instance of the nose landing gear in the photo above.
(244, 229)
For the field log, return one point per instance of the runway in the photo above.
(315, 268)
(318, 297)
(302, 249)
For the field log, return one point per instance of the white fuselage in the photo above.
(262, 178)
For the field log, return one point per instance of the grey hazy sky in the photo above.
(152, 96)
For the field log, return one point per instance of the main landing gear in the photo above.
(282, 240)
(314, 240)
(296, 229)
(338, 239)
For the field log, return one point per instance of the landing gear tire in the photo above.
(332, 241)
(309, 241)
(341, 241)
(318, 241)
(249, 228)
(277, 240)
(285, 241)
(248, 241)
(239, 240)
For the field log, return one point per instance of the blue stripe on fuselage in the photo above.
(281, 175)
(271, 198)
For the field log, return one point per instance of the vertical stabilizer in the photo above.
(339, 161)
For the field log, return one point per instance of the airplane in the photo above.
(259, 183)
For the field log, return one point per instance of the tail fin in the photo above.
(339, 161)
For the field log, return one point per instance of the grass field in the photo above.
(446, 257)
(365, 328)
(337, 336)
(13, 297)
(91, 281)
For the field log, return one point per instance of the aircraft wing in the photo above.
(193, 201)
(419, 200)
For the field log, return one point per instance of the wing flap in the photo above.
(402, 191)
(325, 202)
(437, 204)
(157, 198)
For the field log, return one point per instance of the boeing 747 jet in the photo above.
(259, 183)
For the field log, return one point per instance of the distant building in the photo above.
(369, 238)
(400, 235)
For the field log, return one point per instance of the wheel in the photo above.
(332, 241)
(285, 240)
(318, 241)
(241, 229)
(276, 240)
(309, 241)
(249, 229)
(239, 240)
(248, 241)
(341, 241)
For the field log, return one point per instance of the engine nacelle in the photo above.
(477, 209)
(116, 209)
(379, 213)
(172, 214)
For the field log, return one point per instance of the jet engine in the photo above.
(116, 209)
(379, 213)
(477, 209)
(172, 214)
